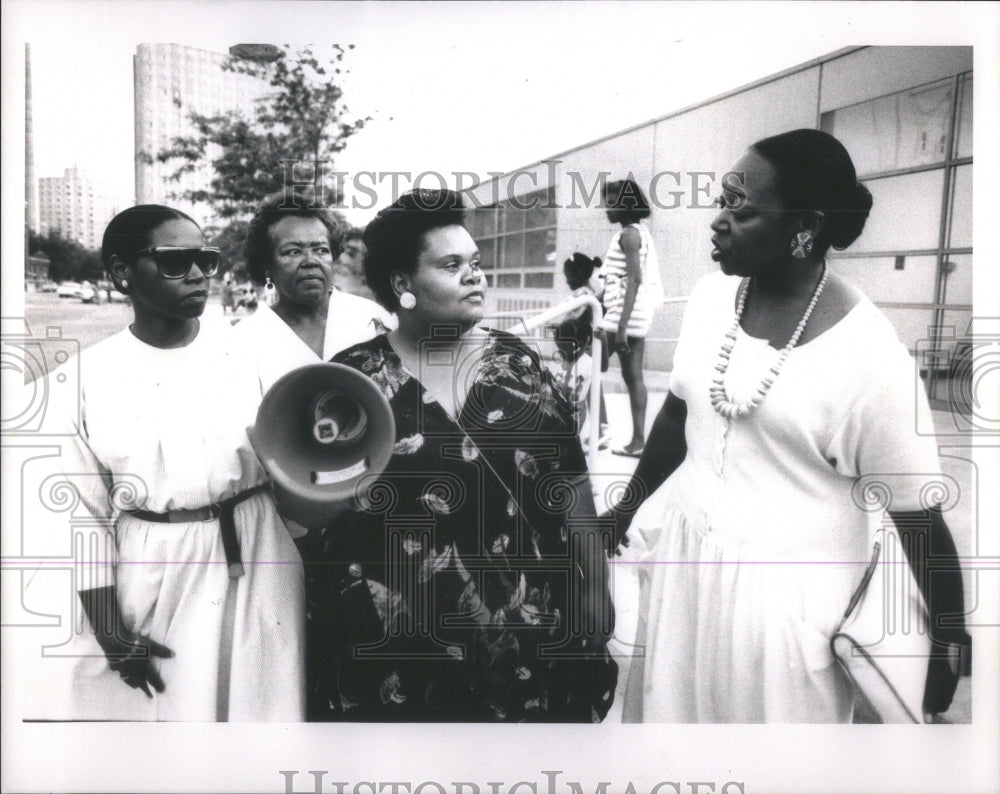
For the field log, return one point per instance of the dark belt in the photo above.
(223, 511)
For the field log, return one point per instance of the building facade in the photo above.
(171, 82)
(904, 113)
(76, 205)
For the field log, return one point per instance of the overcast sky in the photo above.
(453, 86)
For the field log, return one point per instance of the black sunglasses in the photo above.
(173, 262)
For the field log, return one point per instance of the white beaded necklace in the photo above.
(717, 391)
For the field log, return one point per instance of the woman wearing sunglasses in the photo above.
(190, 583)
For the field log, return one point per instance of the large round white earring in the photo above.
(124, 283)
(407, 300)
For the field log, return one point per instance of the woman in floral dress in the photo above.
(467, 583)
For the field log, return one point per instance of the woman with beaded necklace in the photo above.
(788, 387)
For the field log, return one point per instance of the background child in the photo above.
(573, 340)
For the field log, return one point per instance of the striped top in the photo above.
(650, 294)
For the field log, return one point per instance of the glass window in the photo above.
(898, 131)
(963, 145)
(540, 248)
(903, 279)
(482, 222)
(948, 370)
(513, 218)
(538, 280)
(961, 209)
(487, 255)
(906, 213)
(514, 242)
(958, 279)
(512, 252)
(542, 211)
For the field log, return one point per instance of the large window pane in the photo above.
(487, 257)
(961, 209)
(963, 147)
(542, 212)
(906, 213)
(513, 218)
(958, 279)
(509, 280)
(481, 222)
(898, 131)
(883, 282)
(512, 252)
(540, 248)
(948, 367)
(538, 280)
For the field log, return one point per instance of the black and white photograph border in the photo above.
(524, 80)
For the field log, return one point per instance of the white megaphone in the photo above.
(320, 429)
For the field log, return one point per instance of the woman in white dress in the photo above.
(291, 249)
(788, 386)
(192, 587)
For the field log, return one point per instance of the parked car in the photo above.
(68, 289)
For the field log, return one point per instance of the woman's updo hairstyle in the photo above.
(129, 232)
(395, 238)
(815, 173)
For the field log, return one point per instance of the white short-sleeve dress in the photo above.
(276, 349)
(754, 545)
(160, 430)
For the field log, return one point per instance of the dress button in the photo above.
(354, 569)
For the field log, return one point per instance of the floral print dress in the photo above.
(447, 595)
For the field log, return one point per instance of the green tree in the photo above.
(68, 260)
(303, 119)
(231, 242)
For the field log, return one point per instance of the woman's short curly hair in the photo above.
(279, 206)
(395, 237)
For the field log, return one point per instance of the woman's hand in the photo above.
(128, 654)
(937, 570)
(621, 341)
(945, 667)
(131, 657)
(621, 521)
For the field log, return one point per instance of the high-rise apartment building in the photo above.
(76, 205)
(171, 82)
